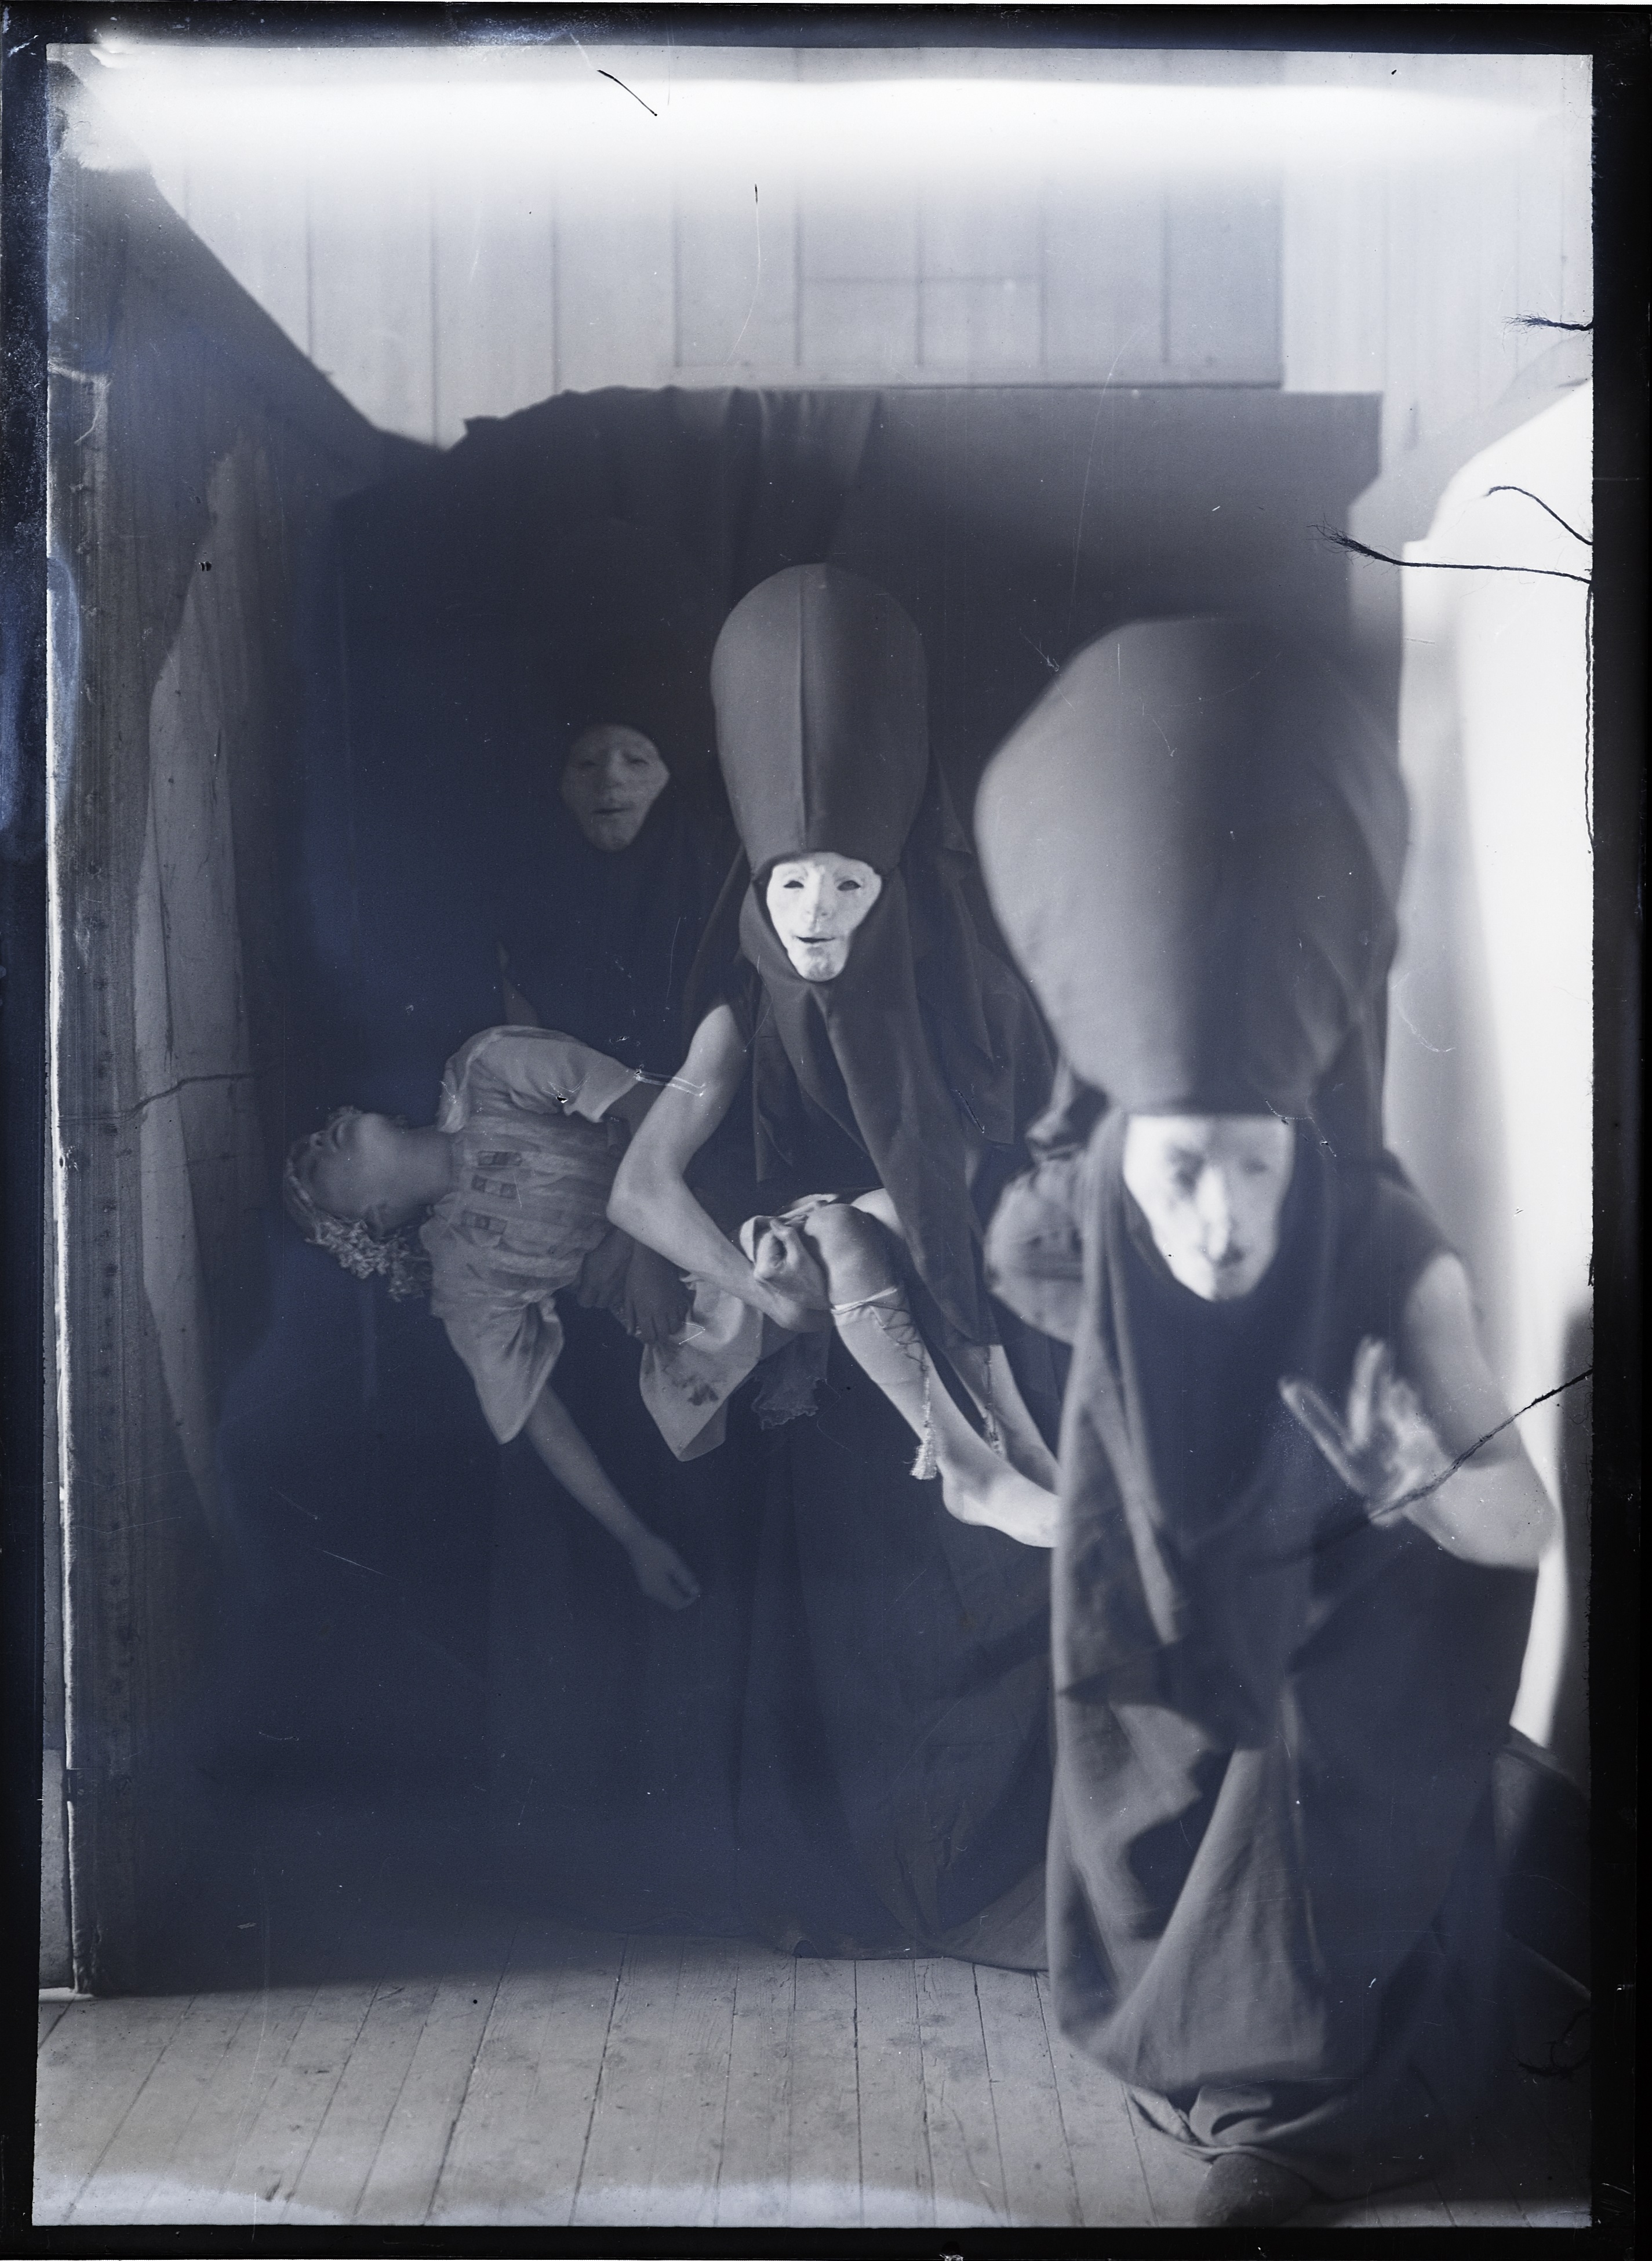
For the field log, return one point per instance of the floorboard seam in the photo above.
(860, 2141)
(406, 2074)
(992, 2095)
(923, 2097)
(243, 2125)
(132, 2106)
(1135, 2137)
(229, 2042)
(728, 2083)
(1060, 2102)
(596, 2093)
(475, 2055)
(315, 2133)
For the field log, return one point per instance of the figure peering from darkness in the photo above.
(613, 837)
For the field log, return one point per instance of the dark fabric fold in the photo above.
(1271, 1891)
(822, 736)
(599, 942)
(1194, 844)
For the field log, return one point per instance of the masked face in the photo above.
(612, 778)
(815, 903)
(1210, 1187)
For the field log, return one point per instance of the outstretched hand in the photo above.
(1385, 1449)
(662, 1573)
(788, 1273)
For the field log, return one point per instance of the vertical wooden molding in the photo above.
(436, 304)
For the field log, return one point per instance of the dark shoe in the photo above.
(1241, 2188)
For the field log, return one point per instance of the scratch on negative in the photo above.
(631, 91)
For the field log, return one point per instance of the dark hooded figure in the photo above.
(614, 839)
(1292, 1578)
(612, 1740)
(893, 1792)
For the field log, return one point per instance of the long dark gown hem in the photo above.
(1392, 2169)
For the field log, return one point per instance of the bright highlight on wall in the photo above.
(609, 114)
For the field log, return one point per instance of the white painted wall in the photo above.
(1490, 1064)
(1406, 276)
(451, 233)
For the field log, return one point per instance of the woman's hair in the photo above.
(362, 1254)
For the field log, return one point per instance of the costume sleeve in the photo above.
(1034, 1249)
(542, 1070)
(509, 1348)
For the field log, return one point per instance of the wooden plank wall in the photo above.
(1410, 281)
(453, 298)
(445, 295)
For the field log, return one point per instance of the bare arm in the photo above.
(652, 1199)
(660, 1570)
(1430, 1437)
(1493, 1508)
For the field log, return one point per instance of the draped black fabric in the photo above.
(1271, 1898)
(822, 736)
(844, 1746)
(357, 1459)
(1194, 842)
(895, 1765)
(1271, 1901)
(614, 1727)
(599, 943)
(895, 1762)
(599, 940)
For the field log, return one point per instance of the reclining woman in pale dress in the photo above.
(511, 1180)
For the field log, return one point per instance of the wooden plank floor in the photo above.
(537, 2075)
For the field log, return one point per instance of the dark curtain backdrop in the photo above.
(1013, 523)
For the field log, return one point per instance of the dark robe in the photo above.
(823, 734)
(1271, 1901)
(1272, 1906)
(599, 941)
(613, 1725)
(894, 1770)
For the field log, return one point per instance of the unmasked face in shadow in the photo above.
(816, 902)
(1211, 1188)
(612, 778)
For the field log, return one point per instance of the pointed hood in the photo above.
(822, 720)
(819, 680)
(1194, 844)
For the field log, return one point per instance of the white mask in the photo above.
(1210, 1187)
(816, 902)
(613, 776)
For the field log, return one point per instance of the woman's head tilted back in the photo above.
(1194, 844)
(822, 732)
(342, 1189)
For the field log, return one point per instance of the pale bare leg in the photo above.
(985, 1374)
(977, 1485)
